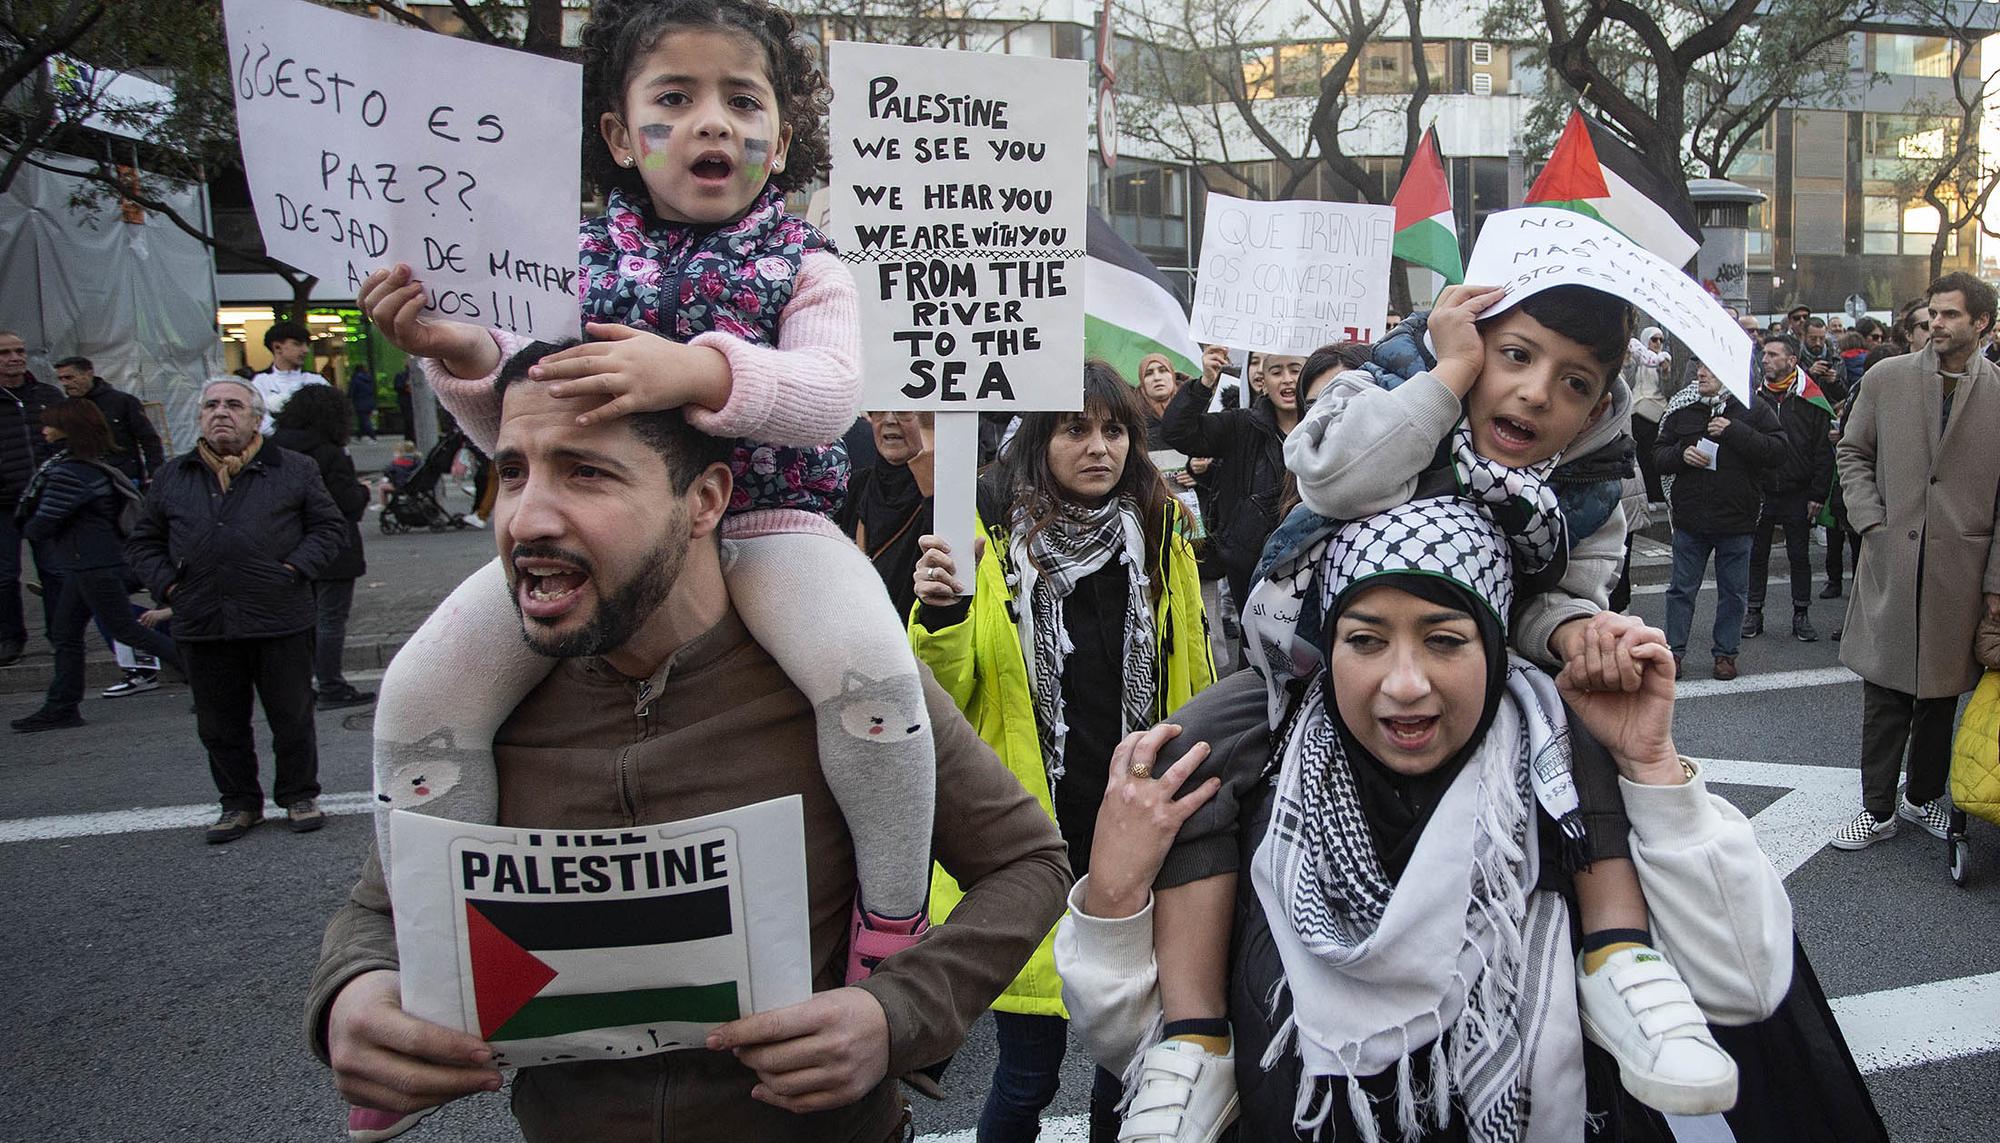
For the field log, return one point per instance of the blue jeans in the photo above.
(1732, 587)
(1027, 1075)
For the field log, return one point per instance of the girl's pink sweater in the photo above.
(804, 391)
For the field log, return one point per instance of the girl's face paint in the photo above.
(702, 120)
(756, 161)
(653, 145)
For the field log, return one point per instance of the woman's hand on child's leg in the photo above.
(394, 300)
(1139, 819)
(635, 371)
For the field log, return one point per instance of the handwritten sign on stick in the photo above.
(1532, 248)
(368, 144)
(1289, 277)
(958, 195)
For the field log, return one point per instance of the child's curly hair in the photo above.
(622, 31)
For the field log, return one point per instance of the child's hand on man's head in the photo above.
(1455, 334)
(637, 371)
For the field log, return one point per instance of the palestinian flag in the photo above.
(1129, 310)
(1426, 234)
(1592, 172)
(544, 968)
(1804, 386)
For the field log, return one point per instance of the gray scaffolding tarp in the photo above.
(137, 298)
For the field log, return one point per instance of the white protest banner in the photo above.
(1530, 249)
(368, 144)
(601, 944)
(959, 197)
(1289, 277)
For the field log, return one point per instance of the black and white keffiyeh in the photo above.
(1459, 952)
(1077, 542)
(1520, 500)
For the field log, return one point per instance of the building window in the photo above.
(1894, 147)
(1482, 54)
(1892, 225)
(1929, 56)
(1259, 72)
(1482, 83)
(1149, 205)
(1301, 66)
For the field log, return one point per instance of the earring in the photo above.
(628, 160)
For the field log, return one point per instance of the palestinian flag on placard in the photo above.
(1426, 234)
(544, 968)
(1592, 172)
(1129, 310)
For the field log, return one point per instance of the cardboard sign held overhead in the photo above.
(1533, 248)
(958, 195)
(367, 144)
(1289, 277)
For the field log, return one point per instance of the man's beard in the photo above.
(621, 611)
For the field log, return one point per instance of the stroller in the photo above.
(415, 505)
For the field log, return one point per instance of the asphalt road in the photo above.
(157, 981)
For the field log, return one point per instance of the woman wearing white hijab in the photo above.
(1403, 962)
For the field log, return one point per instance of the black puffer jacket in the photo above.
(223, 555)
(22, 449)
(336, 471)
(1249, 473)
(1808, 467)
(75, 516)
(140, 453)
(1724, 500)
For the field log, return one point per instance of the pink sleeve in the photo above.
(472, 400)
(807, 390)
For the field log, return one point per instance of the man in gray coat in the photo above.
(1921, 476)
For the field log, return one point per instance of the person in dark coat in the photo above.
(136, 449)
(22, 451)
(890, 501)
(72, 512)
(1794, 491)
(1717, 450)
(232, 536)
(317, 422)
(361, 394)
(1248, 446)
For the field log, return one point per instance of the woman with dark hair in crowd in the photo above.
(1085, 624)
(72, 512)
(317, 421)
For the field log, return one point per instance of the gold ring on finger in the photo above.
(1141, 770)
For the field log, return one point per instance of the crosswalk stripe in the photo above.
(1922, 1023)
(1774, 681)
(141, 819)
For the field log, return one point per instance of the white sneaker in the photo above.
(1933, 816)
(139, 682)
(1637, 1008)
(1187, 1094)
(1863, 832)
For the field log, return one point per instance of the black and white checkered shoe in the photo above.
(1933, 817)
(1863, 832)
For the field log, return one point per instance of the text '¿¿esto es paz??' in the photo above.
(366, 144)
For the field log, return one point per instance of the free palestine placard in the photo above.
(605, 944)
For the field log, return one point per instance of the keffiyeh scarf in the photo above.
(1461, 953)
(1077, 542)
(680, 281)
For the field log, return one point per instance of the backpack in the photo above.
(131, 505)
